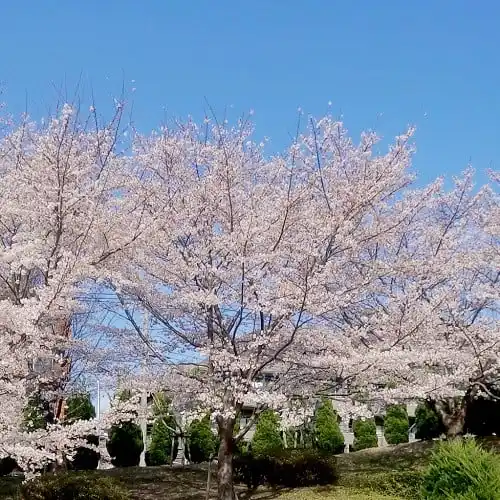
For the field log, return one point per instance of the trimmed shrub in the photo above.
(294, 468)
(70, 486)
(396, 425)
(397, 484)
(428, 424)
(202, 441)
(85, 458)
(327, 433)
(250, 470)
(125, 444)
(267, 438)
(289, 469)
(365, 434)
(461, 469)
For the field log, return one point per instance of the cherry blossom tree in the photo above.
(60, 220)
(269, 281)
(293, 267)
(447, 336)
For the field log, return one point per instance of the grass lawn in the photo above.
(337, 493)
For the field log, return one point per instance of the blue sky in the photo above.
(382, 64)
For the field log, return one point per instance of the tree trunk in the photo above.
(225, 459)
(452, 413)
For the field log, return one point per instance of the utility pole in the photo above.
(98, 415)
(98, 404)
(144, 396)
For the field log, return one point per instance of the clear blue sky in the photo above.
(382, 64)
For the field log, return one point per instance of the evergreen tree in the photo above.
(396, 425)
(365, 434)
(160, 449)
(202, 441)
(327, 433)
(125, 444)
(267, 438)
(428, 424)
(79, 407)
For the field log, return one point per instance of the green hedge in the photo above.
(404, 485)
(160, 449)
(36, 414)
(71, 486)
(288, 468)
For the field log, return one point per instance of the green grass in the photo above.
(402, 457)
(333, 494)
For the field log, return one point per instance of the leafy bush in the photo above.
(428, 424)
(294, 468)
(125, 444)
(328, 436)
(289, 469)
(36, 414)
(396, 425)
(70, 486)
(267, 438)
(7, 465)
(202, 441)
(365, 434)
(250, 470)
(461, 469)
(482, 417)
(85, 458)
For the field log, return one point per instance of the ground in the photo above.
(362, 474)
(159, 483)
(162, 483)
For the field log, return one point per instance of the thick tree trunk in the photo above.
(225, 459)
(452, 413)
